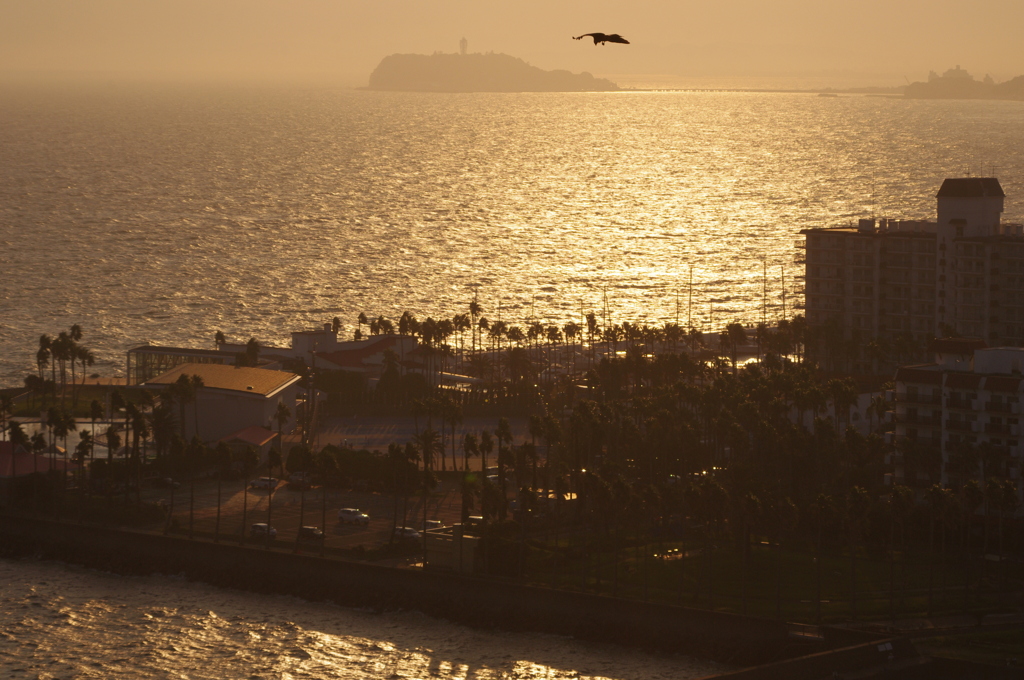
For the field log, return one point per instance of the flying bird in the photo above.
(602, 38)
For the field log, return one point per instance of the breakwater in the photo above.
(484, 603)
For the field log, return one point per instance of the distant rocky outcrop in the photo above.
(957, 83)
(477, 73)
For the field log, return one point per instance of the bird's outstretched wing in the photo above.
(602, 38)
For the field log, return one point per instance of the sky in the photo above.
(341, 41)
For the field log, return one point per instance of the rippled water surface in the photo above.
(163, 215)
(59, 621)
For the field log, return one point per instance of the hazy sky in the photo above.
(343, 40)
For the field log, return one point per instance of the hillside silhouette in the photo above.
(477, 73)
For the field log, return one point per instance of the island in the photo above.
(477, 73)
(957, 83)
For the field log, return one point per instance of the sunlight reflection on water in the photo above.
(59, 620)
(165, 215)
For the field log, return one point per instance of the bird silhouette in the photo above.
(602, 38)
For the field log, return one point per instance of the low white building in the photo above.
(232, 398)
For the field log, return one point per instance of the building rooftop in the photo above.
(970, 187)
(356, 356)
(233, 378)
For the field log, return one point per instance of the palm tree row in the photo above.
(63, 354)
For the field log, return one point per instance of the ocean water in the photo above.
(62, 621)
(164, 214)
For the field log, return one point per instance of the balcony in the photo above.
(960, 425)
(966, 404)
(926, 399)
(999, 407)
(1000, 428)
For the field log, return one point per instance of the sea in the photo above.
(59, 621)
(164, 213)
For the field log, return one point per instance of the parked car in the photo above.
(311, 535)
(406, 534)
(300, 480)
(264, 483)
(353, 516)
(434, 524)
(261, 529)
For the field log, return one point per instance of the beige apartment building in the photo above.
(970, 396)
(960, 275)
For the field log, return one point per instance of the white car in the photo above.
(406, 534)
(262, 529)
(264, 483)
(353, 516)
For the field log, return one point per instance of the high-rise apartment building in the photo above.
(959, 415)
(960, 275)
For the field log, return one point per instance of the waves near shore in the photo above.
(64, 621)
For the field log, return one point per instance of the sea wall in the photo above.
(472, 601)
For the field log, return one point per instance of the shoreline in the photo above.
(483, 603)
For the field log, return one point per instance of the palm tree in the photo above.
(38, 446)
(113, 440)
(844, 394)
(572, 330)
(60, 350)
(274, 459)
(249, 458)
(474, 311)
(43, 355)
(504, 435)
(734, 336)
(326, 467)
(82, 450)
(428, 444)
(140, 442)
(184, 392)
(86, 358)
(282, 414)
(461, 323)
(451, 414)
(18, 439)
(470, 448)
(62, 424)
(222, 463)
(300, 459)
(195, 384)
(485, 447)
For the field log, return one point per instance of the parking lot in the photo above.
(286, 509)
